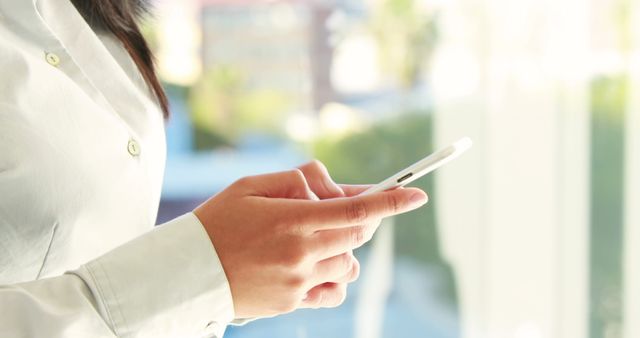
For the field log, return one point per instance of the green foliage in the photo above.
(223, 107)
(608, 103)
(372, 155)
(406, 35)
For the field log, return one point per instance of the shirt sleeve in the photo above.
(166, 283)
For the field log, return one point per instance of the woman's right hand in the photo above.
(276, 241)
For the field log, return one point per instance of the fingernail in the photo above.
(418, 198)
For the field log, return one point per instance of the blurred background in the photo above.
(534, 233)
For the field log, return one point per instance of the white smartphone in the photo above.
(422, 167)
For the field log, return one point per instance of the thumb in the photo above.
(285, 184)
(320, 181)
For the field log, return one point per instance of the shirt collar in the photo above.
(93, 58)
(57, 25)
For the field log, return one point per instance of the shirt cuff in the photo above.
(168, 282)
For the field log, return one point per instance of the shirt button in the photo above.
(52, 59)
(133, 147)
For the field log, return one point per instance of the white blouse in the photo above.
(82, 154)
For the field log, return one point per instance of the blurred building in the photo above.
(279, 45)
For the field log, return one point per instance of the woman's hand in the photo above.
(321, 184)
(280, 245)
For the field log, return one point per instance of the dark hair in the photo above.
(121, 17)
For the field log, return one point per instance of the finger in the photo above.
(354, 189)
(333, 268)
(325, 295)
(320, 181)
(351, 276)
(350, 211)
(290, 184)
(330, 243)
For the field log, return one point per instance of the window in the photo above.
(534, 233)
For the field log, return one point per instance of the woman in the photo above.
(81, 161)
